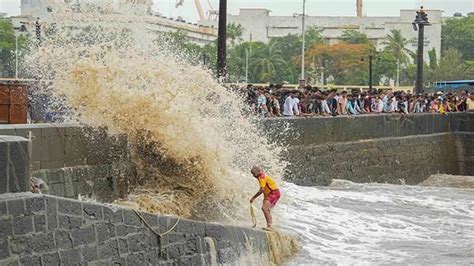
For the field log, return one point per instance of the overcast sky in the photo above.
(289, 7)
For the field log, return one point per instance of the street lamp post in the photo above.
(421, 20)
(221, 39)
(303, 30)
(16, 55)
(371, 59)
(17, 33)
(370, 72)
(246, 66)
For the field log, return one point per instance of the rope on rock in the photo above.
(159, 236)
(254, 217)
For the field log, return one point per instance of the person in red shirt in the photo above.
(270, 191)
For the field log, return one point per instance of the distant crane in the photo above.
(359, 8)
(212, 14)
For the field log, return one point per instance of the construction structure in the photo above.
(210, 14)
(359, 8)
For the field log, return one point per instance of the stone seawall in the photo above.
(377, 148)
(323, 130)
(465, 152)
(374, 148)
(411, 158)
(47, 230)
(14, 164)
(77, 160)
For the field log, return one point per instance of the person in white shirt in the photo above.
(290, 107)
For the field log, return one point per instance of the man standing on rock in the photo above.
(270, 191)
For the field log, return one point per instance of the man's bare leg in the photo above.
(266, 212)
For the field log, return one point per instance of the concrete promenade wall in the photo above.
(76, 160)
(14, 164)
(323, 130)
(465, 151)
(47, 230)
(377, 148)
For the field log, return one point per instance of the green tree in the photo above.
(385, 67)
(313, 35)
(269, 65)
(234, 32)
(7, 48)
(290, 45)
(354, 37)
(397, 45)
(451, 67)
(458, 33)
(433, 59)
(237, 60)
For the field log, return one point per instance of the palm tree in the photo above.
(397, 45)
(269, 64)
(234, 32)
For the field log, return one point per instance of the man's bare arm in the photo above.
(256, 195)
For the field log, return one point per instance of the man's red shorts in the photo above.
(273, 197)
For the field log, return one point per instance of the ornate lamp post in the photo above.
(421, 20)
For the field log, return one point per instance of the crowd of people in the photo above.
(274, 101)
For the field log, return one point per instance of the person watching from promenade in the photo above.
(290, 107)
(341, 104)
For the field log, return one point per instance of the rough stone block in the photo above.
(24, 131)
(20, 153)
(92, 211)
(70, 257)
(83, 236)
(105, 231)
(51, 213)
(98, 148)
(123, 230)
(123, 246)
(34, 205)
(70, 207)
(75, 148)
(152, 257)
(4, 249)
(57, 190)
(118, 261)
(14, 164)
(51, 258)
(68, 222)
(39, 223)
(69, 190)
(131, 218)
(30, 260)
(63, 239)
(16, 207)
(43, 242)
(89, 253)
(136, 259)
(6, 229)
(151, 219)
(112, 214)
(22, 225)
(3, 208)
(138, 242)
(108, 250)
(4, 170)
(21, 245)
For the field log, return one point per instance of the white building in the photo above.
(259, 25)
(200, 34)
